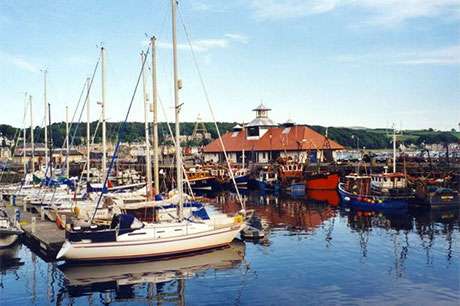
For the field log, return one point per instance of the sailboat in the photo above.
(128, 238)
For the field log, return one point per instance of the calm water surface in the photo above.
(315, 253)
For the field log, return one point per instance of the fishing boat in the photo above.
(266, 180)
(322, 181)
(241, 177)
(382, 191)
(435, 193)
(357, 192)
(129, 238)
(9, 230)
(290, 175)
(201, 179)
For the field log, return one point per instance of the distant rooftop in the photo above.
(261, 117)
(261, 107)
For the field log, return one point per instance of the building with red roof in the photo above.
(262, 141)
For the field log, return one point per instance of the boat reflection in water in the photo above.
(9, 258)
(281, 212)
(157, 274)
(9, 262)
(330, 197)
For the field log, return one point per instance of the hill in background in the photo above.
(369, 138)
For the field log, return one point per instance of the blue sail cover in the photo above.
(200, 212)
(50, 182)
(126, 221)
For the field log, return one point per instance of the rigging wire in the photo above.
(121, 132)
(174, 142)
(205, 92)
(83, 106)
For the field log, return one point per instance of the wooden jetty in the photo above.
(39, 233)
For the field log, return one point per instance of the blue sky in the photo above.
(332, 62)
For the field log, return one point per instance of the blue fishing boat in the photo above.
(267, 180)
(357, 192)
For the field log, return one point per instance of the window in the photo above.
(253, 131)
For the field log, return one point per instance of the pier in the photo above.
(39, 233)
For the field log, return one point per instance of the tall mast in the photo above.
(50, 141)
(148, 163)
(88, 130)
(394, 150)
(32, 145)
(24, 136)
(45, 101)
(67, 166)
(104, 145)
(177, 109)
(156, 178)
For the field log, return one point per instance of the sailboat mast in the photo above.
(88, 130)
(104, 144)
(177, 109)
(50, 141)
(156, 178)
(394, 150)
(148, 163)
(45, 101)
(32, 145)
(67, 166)
(24, 162)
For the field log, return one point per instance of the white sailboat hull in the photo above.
(149, 247)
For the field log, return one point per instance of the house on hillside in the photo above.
(263, 141)
(58, 157)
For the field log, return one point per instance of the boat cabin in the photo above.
(388, 181)
(358, 184)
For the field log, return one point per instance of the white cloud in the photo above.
(280, 9)
(205, 45)
(444, 56)
(200, 6)
(384, 12)
(441, 56)
(18, 61)
(237, 37)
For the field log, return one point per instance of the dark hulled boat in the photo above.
(357, 192)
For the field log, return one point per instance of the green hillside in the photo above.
(369, 138)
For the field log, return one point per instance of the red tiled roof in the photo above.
(297, 138)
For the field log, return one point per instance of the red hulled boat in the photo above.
(322, 181)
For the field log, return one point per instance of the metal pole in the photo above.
(45, 101)
(50, 142)
(394, 150)
(148, 163)
(32, 144)
(88, 130)
(24, 155)
(104, 145)
(67, 166)
(177, 109)
(156, 177)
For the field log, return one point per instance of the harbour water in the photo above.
(316, 252)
